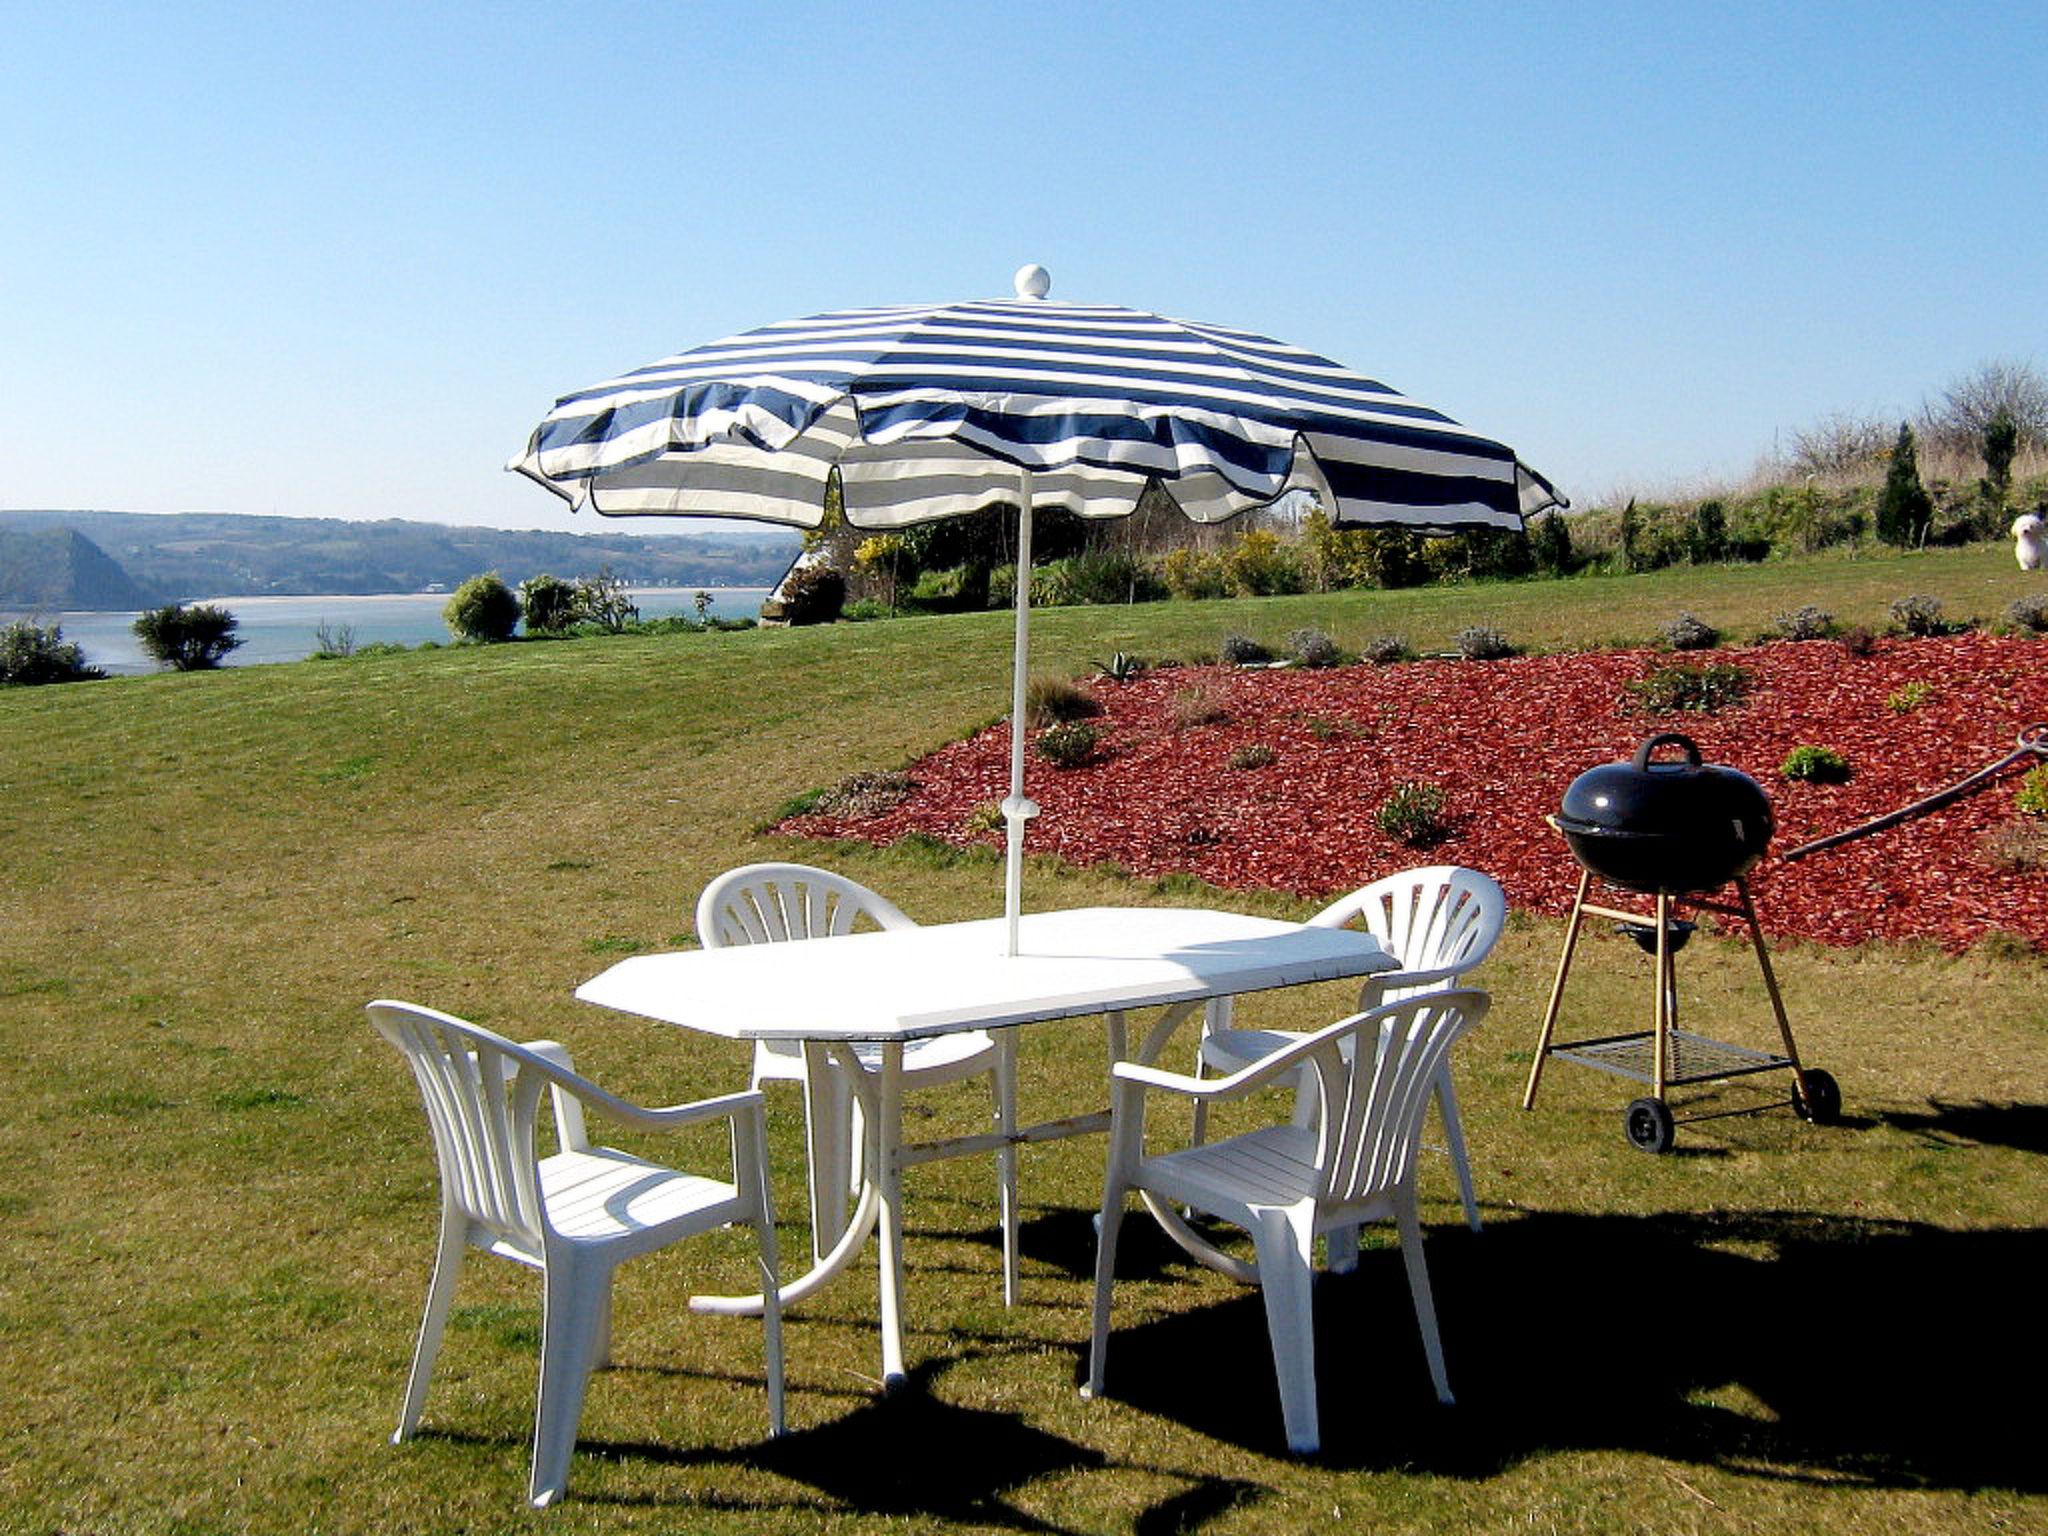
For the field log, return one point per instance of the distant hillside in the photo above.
(59, 568)
(187, 555)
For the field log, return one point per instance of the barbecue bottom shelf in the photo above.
(1689, 1058)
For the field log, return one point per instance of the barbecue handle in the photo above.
(2033, 742)
(1664, 738)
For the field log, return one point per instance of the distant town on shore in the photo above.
(59, 561)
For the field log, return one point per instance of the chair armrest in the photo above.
(1211, 1089)
(671, 1117)
(573, 1091)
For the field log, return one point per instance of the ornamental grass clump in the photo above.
(1680, 688)
(1815, 765)
(1858, 642)
(1413, 813)
(1385, 650)
(1482, 642)
(1053, 700)
(1069, 744)
(1196, 706)
(1690, 632)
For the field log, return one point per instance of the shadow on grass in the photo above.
(1784, 1345)
(2023, 1127)
(912, 1455)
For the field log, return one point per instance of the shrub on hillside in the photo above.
(483, 610)
(2029, 613)
(1069, 744)
(1413, 813)
(1805, 623)
(1244, 651)
(1385, 650)
(1858, 642)
(1687, 689)
(194, 639)
(1550, 541)
(1313, 648)
(603, 602)
(812, 594)
(1920, 615)
(1482, 642)
(1690, 632)
(549, 604)
(31, 654)
(1815, 765)
(1904, 509)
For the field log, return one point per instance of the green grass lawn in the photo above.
(220, 1207)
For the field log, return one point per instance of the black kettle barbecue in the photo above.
(1679, 831)
(1670, 827)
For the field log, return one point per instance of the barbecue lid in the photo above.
(1671, 825)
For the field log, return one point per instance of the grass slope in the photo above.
(220, 1205)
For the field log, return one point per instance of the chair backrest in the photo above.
(482, 1094)
(773, 903)
(1439, 918)
(1372, 1095)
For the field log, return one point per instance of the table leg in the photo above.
(885, 1137)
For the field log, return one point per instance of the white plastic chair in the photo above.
(1371, 1077)
(574, 1216)
(1439, 922)
(778, 903)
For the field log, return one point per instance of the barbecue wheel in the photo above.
(1823, 1101)
(1649, 1124)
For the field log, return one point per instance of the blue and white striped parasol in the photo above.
(926, 412)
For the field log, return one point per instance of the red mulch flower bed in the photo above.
(1503, 739)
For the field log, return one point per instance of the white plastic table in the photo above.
(908, 984)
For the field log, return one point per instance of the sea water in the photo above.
(289, 628)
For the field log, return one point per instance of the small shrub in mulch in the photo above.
(1253, 755)
(2031, 798)
(1244, 651)
(1068, 744)
(1690, 632)
(1815, 765)
(1413, 813)
(1688, 689)
(1385, 650)
(1858, 642)
(1907, 697)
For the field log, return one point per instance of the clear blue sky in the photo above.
(337, 260)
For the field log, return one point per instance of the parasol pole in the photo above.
(1017, 810)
